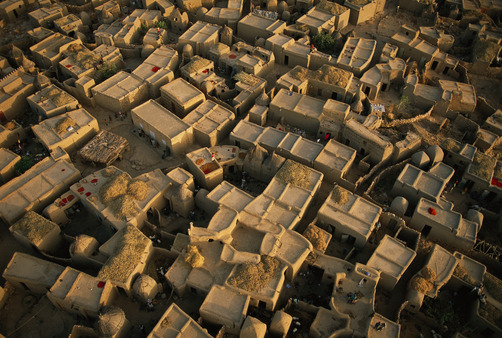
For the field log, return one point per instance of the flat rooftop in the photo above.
(160, 118)
(181, 91)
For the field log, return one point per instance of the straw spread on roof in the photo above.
(463, 274)
(64, 124)
(328, 74)
(10, 125)
(359, 2)
(126, 255)
(483, 166)
(246, 78)
(254, 277)
(497, 173)
(316, 237)
(331, 7)
(119, 193)
(197, 63)
(493, 286)
(82, 56)
(451, 145)
(294, 173)
(193, 256)
(428, 274)
(421, 285)
(491, 313)
(59, 97)
(340, 195)
(424, 283)
(33, 226)
(485, 50)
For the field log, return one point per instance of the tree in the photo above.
(23, 165)
(324, 42)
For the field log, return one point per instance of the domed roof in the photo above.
(399, 204)
(82, 242)
(187, 49)
(435, 153)
(183, 193)
(282, 6)
(420, 159)
(110, 321)
(41, 81)
(262, 100)
(144, 284)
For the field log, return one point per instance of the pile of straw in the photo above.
(497, 172)
(197, 63)
(193, 256)
(331, 7)
(10, 125)
(123, 206)
(491, 313)
(120, 194)
(316, 237)
(493, 286)
(451, 145)
(254, 277)
(63, 124)
(483, 166)
(359, 2)
(246, 78)
(326, 73)
(485, 51)
(59, 97)
(294, 173)
(463, 274)
(421, 285)
(33, 226)
(137, 189)
(428, 274)
(114, 187)
(127, 254)
(340, 195)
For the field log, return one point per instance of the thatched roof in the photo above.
(340, 195)
(194, 257)
(294, 173)
(64, 124)
(103, 148)
(127, 254)
(33, 226)
(123, 206)
(254, 277)
(483, 166)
